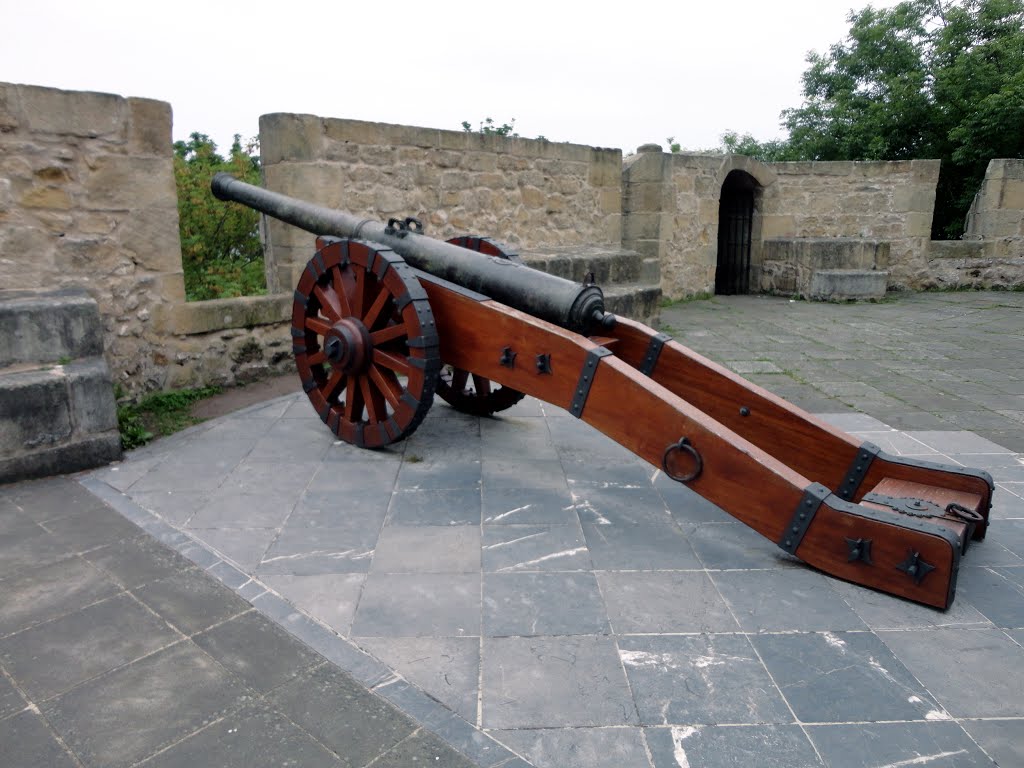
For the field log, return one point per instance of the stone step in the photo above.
(57, 409)
(631, 283)
(847, 284)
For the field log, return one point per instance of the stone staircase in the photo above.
(57, 409)
(631, 284)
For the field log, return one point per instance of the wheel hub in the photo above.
(348, 346)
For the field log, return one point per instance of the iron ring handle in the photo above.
(683, 445)
(964, 513)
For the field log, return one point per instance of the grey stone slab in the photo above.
(190, 601)
(356, 475)
(134, 562)
(618, 473)
(306, 551)
(1002, 740)
(428, 549)
(53, 497)
(544, 506)
(995, 593)
(39, 594)
(254, 476)
(362, 509)
(295, 440)
(256, 736)
(735, 546)
(243, 546)
(106, 721)
(90, 528)
(257, 651)
(424, 748)
(28, 545)
(972, 672)
(439, 475)
(331, 597)
(655, 543)
(750, 746)
(685, 506)
(579, 747)
(508, 548)
(664, 601)
(955, 442)
(52, 657)
(342, 715)
(242, 510)
(695, 679)
(854, 422)
(530, 682)
(523, 473)
(843, 677)
(174, 506)
(173, 473)
(542, 604)
(447, 668)
(867, 745)
(789, 599)
(228, 575)
(420, 604)
(27, 742)
(123, 474)
(881, 611)
(454, 507)
(1011, 535)
(11, 702)
(991, 551)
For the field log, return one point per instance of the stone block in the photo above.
(34, 411)
(10, 108)
(48, 327)
(91, 395)
(648, 167)
(124, 182)
(925, 172)
(642, 226)
(72, 456)
(919, 224)
(49, 197)
(914, 197)
(1012, 197)
(149, 127)
(605, 169)
(73, 113)
(644, 197)
(773, 226)
(196, 317)
(287, 137)
(847, 285)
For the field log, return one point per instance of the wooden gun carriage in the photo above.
(384, 317)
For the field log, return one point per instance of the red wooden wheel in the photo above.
(466, 391)
(365, 343)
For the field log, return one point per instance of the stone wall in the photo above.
(887, 201)
(531, 194)
(670, 213)
(87, 199)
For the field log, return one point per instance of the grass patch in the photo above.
(159, 414)
(666, 303)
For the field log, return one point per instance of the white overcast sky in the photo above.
(613, 75)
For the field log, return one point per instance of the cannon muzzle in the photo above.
(576, 306)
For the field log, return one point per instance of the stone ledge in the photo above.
(223, 314)
(92, 451)
(847, 285)
(45, 327)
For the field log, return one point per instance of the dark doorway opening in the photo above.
(735, 226)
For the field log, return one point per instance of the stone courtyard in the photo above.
(530, 594)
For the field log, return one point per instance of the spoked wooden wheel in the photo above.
(466, 391)
(365, 342)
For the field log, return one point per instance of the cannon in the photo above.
(384, 317)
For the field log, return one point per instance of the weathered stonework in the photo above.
(528, 193)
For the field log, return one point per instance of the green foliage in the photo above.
(220, 245)
(161, 413)
(774, 151)
(488, 128)
(924, 79)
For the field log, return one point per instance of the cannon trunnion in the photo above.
(384, 317)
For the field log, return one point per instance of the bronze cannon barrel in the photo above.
(575, 306)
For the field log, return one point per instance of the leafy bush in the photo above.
(161, 413)
(220, 245)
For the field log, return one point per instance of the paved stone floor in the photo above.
(529, 593)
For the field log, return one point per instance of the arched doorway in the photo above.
(735, 228)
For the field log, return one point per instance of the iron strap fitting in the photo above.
(924, 508)
(586, 380)
(653, 353)
(401, 228)
(814, 496)
(858, 471)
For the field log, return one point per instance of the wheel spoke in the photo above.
(483, 386)
(353, 400)
(395, 363)
(338, 281)
(328, 303)
(459, 378)
(389, 333)
(317, 358)
(378, 305)
(388, 384)
(375, 410)
(317, 326)
(330, 389)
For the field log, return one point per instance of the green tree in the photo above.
(924, 79)
(220, 245)
(488, 127)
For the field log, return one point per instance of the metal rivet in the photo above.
(796, 529)
(789, 542)
(803, 516)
